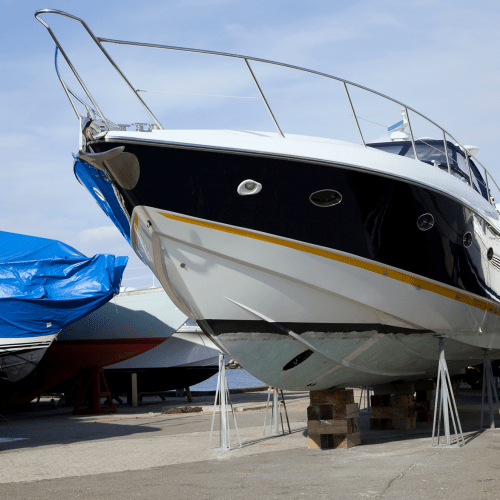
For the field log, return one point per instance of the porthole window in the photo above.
(425, 222)
(99, 194)
(467, 239)
(325, 198)
(490, 253)
(249, 187)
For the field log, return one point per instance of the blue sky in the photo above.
(440, 57)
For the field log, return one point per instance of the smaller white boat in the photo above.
(186, 359)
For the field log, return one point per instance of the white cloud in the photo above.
(99, 233)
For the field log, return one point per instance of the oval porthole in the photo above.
(489, 254)
(467, 239)
(425, 222)
(248, 187)
(99, 194)
(325, 198)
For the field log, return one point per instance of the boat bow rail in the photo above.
(95, 114)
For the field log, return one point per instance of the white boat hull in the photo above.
(365, 323)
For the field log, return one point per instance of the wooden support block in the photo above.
(332, 397)
(424, 385)
(134, 391)
(392, 411)
(380, 400)
(333, 426)
(403, 424)
(423, 395)
(326, 412)
(392, 400)
(347, 441)
(387, 389)
(425, 416)
(328, 441)
(314, 441)
(422, 405)
(381, 424)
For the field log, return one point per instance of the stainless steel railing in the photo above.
(99, 41)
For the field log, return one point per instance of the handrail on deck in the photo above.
(99, 41)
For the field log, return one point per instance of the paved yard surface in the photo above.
(139, 453)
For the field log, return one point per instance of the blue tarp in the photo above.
(94, 180)
(46, 285)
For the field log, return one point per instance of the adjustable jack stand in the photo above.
(275, 410)
(224, 405)
(365, 391)
(489, 385)
(447, 405)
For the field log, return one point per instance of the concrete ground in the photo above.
(139, 453)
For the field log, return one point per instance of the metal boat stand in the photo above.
(223, 404)
(275, 411)
(366, 392)
(489, 385)
(445, 400)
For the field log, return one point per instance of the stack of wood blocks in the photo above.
(332, 419)
(423, 409)
(392, 407)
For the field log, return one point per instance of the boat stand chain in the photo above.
(275, 411)
(366, 392)
(445, 400)
(489, 382)
(224, 405)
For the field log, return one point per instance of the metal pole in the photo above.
(436, 403)
(267, 409)
(64, 85)
(80, 81)
(487, 186)
(447, 405)
(411, 134)
(468, 166)
(103, 50)
(286, 413)
(264, 98)
(445, 395)
(276, 410)
(490, 392)
(354, 114)
(446, 152)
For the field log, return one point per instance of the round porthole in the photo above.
(325, 198)
(99, 194)
(489, 254)
(467, 239)
(425, 222)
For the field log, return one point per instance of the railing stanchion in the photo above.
(354, 114)
(468, 166)
(103, 50)
(264, 98)
(68, 61)
(446, 152)
(487, 186)
(411, 134)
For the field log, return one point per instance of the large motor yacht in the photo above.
(314, 262)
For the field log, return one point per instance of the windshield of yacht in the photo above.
(431, 151)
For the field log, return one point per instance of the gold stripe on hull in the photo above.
(351, 261)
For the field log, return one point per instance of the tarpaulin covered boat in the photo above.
(44, 286)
